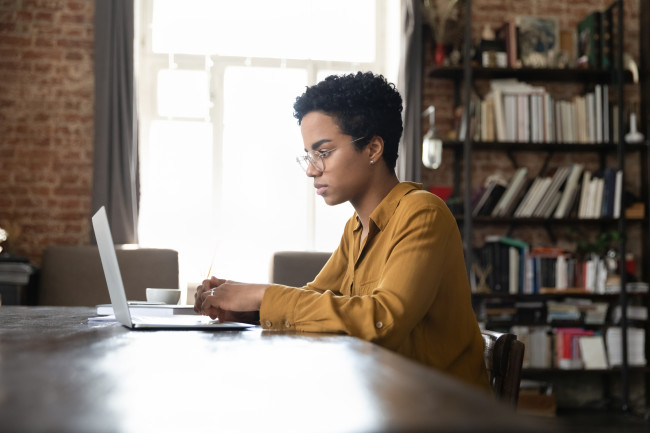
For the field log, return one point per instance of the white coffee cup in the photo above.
(166, 296)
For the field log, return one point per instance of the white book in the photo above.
(560, 273)
(559, 137)
(591, 117)
(598, 199)
(598, 105)
(523, 118)
(569, 190)
(584, 195)
(517, 178)
(513, 270)
(510, 107)
(535, 199)
(551, 205)
(606, 133)
(557, 181)
(527, 197)
(499, 114)
(567, 121)
(549, 119)
(571, 124)
(592, 352)
(618, 190)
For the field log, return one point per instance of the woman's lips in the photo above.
(320, 189)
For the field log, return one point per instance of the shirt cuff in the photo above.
(278, 307)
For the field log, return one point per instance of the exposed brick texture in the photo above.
(46, 122)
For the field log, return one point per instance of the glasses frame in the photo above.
(316, 157)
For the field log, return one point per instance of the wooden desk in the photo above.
(59, 373)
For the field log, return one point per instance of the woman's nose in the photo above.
(312, 171)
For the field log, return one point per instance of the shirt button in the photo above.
(268, 323)
(287, 324)
(379, 325)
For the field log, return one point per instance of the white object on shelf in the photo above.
(633, 136)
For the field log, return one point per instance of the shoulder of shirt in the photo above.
(421, 197)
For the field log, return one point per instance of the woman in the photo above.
(398, 276)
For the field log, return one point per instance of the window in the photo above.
(216, 86)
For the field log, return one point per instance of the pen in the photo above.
(214, 253)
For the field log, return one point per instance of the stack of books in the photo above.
(635, 346)
(562, 192)
(515, 111)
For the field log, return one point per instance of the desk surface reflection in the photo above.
(60, 373)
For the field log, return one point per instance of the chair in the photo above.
(73, 275)
(504, 355)
(297, 268)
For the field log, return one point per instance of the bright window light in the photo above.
(183, 93)
(340, 30)
(175, 190)
(217, 80)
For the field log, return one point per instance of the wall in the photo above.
(46, 122)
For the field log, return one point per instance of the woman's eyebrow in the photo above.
(319, 143)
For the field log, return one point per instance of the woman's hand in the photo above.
(205, 286)
(224, 299)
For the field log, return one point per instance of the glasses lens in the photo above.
(302, 162)
(305, 160)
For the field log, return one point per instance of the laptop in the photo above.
(118, 295)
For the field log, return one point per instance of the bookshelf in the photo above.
(612, 151)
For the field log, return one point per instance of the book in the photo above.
(618, 191)
(635, 346)
(584, 194)
(569, 191)
(518, 178)
(523, 274)
(496, 186)
(606, 41)
(592, 351)
(508, 33)
(549, 199)
(588, 32)
(148, 309)
(523, 205)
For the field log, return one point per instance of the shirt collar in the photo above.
(386, 208)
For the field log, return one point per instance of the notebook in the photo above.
(118, 296)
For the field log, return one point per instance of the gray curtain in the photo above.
(410, 86)
(115, 175)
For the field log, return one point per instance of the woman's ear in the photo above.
(375, 148)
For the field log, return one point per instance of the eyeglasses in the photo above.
(316, 157)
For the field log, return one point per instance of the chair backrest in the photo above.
(504, 355)
(73, 275)
(297, 268)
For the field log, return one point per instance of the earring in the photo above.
(372, 162)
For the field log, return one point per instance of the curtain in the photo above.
(115, 160)
(410, 86)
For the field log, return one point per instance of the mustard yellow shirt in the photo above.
(405, 289)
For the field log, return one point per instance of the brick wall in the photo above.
(46, 122)
(440, 93)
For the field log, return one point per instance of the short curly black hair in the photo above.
(362, 104)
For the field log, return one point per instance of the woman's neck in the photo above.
(369, 202)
